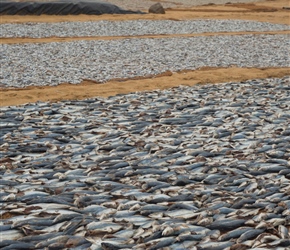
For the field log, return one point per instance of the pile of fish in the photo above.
(133, 28)
(204, 167)
(41, 64)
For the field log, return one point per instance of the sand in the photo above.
(265, 11)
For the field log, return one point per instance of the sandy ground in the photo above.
(266, 11)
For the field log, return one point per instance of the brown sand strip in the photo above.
(279, 17)
(266, 11)
(89, 88)
(69, 39)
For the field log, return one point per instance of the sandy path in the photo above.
(89, 89)
(269, 11)
(69, 39)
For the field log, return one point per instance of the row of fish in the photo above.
(204, 167)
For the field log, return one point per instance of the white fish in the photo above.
(205, 221)
(136, 220)
(156, 215)
(167, 231)
(276, 221)
(126, 233)
(106, 213)
(138, 233)
(11, 235)
(182, 214)
(283, 232)
(103, 227)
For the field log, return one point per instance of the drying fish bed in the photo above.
(133, 28)
(204, 167)
(41, 64)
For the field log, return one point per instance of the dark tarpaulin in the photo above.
(61, 8)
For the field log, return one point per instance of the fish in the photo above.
(227, 224)
(214, 245)
(234, 234)
(102, 227)
(11, 235)
(249, 235)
